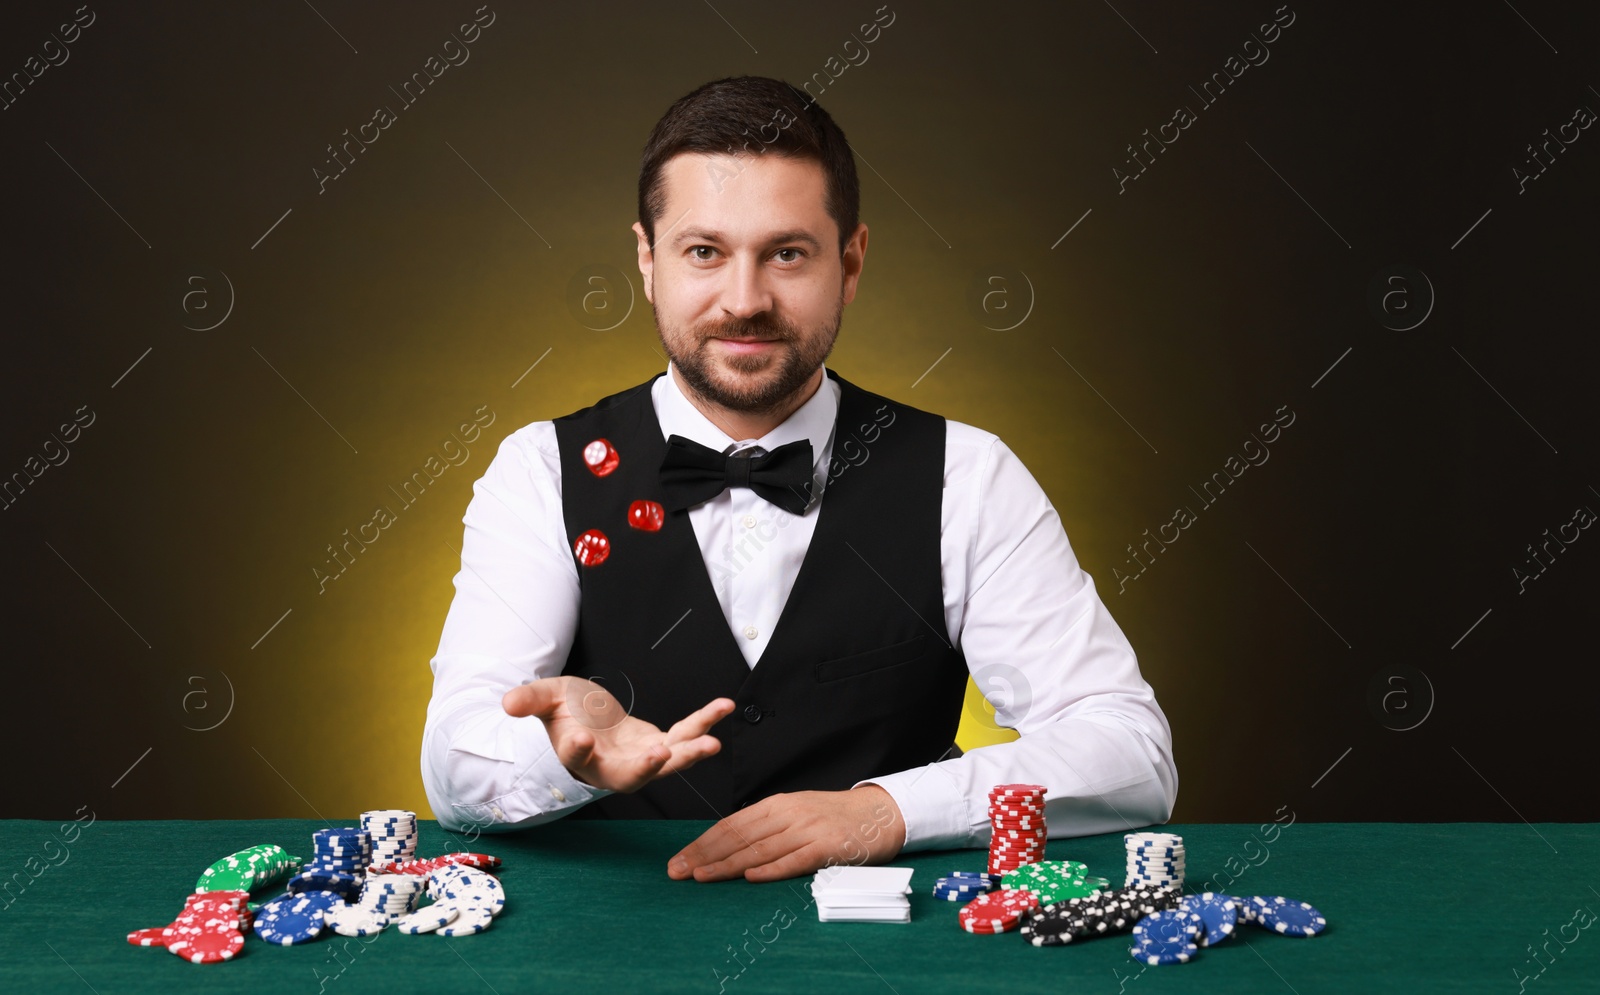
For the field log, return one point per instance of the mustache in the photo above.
(758, 329)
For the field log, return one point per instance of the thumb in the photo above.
(540, 698)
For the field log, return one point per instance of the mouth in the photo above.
(747, 345)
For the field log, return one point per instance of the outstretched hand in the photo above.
(786, 835)
(605, 747)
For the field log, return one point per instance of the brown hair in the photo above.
(735, 115)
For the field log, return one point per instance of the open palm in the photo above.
(601, 744)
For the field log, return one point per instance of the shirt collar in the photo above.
(812, 421)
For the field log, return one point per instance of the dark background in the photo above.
(1341, 634)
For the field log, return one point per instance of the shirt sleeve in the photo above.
(1042, 647)
(512, 620)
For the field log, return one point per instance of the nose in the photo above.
(746, 294)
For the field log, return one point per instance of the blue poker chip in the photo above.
(289, 919)
(1166, 937)
(347, 886)
(974, 877)
(1291, 918)
(1218, 913)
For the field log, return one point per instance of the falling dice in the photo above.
(646, 516)
(601, 457)
(592, 548)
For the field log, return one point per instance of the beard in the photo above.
(779, 372)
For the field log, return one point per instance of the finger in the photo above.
(644, 768)
(700, 721)
(804, 860)
(540, 698)
(686, 755)
(576, 750)
(738, 831)
(767, 851)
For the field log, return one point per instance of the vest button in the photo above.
(752, 714)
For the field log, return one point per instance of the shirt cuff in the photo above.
(933, 807)
(533, 790)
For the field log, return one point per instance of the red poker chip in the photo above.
(208, 947)
(154, 936)
(997, 911)
(1013, 789)
(1003, 865)
(230, 899)
(481, 861)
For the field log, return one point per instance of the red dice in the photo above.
(592, 548)
(601, 457)
(646, 516)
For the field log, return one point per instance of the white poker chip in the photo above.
(427, 919)
(356, 920)
(471, 919)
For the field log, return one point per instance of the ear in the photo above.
(855, 257)
(647, 262)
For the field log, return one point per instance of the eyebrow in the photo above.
(708, 235)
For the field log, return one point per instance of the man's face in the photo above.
(746, 279)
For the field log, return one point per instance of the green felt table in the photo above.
(1412, 908)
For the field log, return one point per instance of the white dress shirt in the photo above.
(1016, 602)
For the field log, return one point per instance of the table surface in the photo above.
(1413, 908)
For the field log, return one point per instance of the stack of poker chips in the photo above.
(465, 901)
(1105, 913)
(393, 834)
(210, 929)
(998, 911)
(964, 886)
(1155, 859)
(384, 897)
(427, 865)
(248, 869)
(1016, 819)
(1055, 880)
(338, 863)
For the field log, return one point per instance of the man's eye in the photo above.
(697, 248)
(796, 251)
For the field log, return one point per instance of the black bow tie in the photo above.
(692, 473)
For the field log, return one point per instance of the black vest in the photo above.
(859, 678)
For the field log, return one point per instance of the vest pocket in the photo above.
(882, 658)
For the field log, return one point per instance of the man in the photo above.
(750, 591)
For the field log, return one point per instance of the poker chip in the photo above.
(208, 946)
(1051, 926)
(1255, 907)
(154, 936)
(961, 889)
(355, 920)
(996, 911)
(290, 919)
(470, 919)
(1166, 937)
(1291, 918)
(341, 883)
(1217, 913)
(426, 919)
